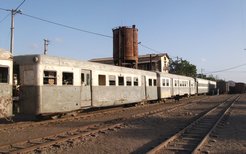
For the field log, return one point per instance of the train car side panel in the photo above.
(202, 86)
(116, 88)
(6, 78)
(60, 98)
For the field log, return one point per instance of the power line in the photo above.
(140, 43)
(4, 9)
(20, 4)
(70, 27)
(5, 18)
(66, 26)
(16, 7)
(227, 69)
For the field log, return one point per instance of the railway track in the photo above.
(80, 116)
(56, 140)
(69, 136)
(191, 138)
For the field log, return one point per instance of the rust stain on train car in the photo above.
(5, 104)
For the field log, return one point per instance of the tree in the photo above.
(183, 67)
(211, 77)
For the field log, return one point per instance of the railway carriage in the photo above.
(171, 85)
(212, 86)
(53, 84)
(6, 80)
(204, 86)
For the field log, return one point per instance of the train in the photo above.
(230, 87)
(53, 85)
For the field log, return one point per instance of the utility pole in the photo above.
(150, 57)
(13, 13)
(46, 43)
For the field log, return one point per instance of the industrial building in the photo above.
(150, 62)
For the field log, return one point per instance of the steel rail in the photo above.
(54, 139)
(85, 115)
(198, 148)
(164, 145)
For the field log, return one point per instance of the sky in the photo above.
(210, 34)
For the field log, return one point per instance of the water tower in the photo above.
(125, 46)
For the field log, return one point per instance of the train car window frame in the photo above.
(112, 80)
(49, 77)
(67, 78)
(4, 74)
(121, 81)
(181, 83)
(135, 81)
(164, 82)
(82, 77)
(154, 82)
(101, 80)
(88, 79)
(128, 81)
(176, 83)
(150, 82)
(167, 82)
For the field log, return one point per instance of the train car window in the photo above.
(167, 82)
(135, 80)
(102, 80)
(128, 81)
(88, 79)
(49, 77)
(163, 82)
(67, 78)
(154, 82)
(121, 80)
(112, 79)
(4, 74)
(150, 82)
(82, 79)
(176, 83)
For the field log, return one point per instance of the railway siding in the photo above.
(230, 135)
(51, 140)
(192, 137)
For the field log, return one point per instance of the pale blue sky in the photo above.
(211, 34)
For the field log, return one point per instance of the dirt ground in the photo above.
(231, 137)
(140, 135)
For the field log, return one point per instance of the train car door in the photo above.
(85, 90)
(172, 86)
(189, 84)
(144, 84)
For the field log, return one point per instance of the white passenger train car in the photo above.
(171, 85)
(202, 86)
(6, 81)
(52, 84)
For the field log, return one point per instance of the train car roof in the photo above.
(60, 61)
(174, 75)
(5, 55)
